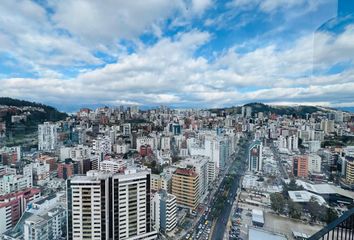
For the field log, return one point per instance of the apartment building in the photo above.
(104, 205)
(185, 186)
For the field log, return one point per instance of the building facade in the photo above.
(104, 205)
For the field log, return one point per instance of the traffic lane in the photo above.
(222, 220)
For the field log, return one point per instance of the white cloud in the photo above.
(271, 6)
(96, 22)
(167, 71)
(199, 6)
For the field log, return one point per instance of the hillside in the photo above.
(22, 117)
(279, 110)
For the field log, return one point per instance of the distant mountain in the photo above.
(348, 109)
(279, 110)
(24, 116)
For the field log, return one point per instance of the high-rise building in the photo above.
(164, 211)
(248, 112)
(349, 170)
(255, 156)
(13, 205)
(314, 163)
(300, 166)
(200, 166)
(105, 205)
(127, 129)
(11, 182)
(185, 186)
(47, 224)
(47, 136)
(161, 181)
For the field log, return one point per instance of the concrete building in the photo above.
(300, 166)
(47, 136)
(126, 129)
(145, 141)
(314, 146)
(165, 143)
(102, 145)
(164, 211)
(47, 225)
(161, 181)
(255, 156)
(349, 170)
(75, 153)
(13, 205)
(121, 148)
(201, 167)
(41, 172)
(11, 182)
(104, 205)
(113, 165)
(185, 186)
(314, 163)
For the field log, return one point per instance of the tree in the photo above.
(277, 202)
(330, 215)
(314, 209)
(295, 209)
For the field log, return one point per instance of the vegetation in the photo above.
(36, 117)
(291, 186)
(339, 141)
(314, 209)
(295, 209)
(296, 111)
(277, 201)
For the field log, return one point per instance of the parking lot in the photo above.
(242, 220)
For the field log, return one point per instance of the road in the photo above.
(238, 170)
(221, 223)
(283, 171)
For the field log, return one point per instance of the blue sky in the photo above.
(181, 53)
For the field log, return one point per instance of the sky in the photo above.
(179, 53)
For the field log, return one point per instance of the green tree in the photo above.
(277, 202)
(295, 209)
(314, 209)
(330, 215)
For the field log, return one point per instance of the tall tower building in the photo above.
(109, 206)
(164, 211)
(185, 186)
(300, 166)
(47, 136)
(255, 156)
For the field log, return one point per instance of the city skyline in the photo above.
(199, 53)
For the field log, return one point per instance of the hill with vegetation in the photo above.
(33, 113)
(266, 109)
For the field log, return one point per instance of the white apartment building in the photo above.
(41, 172)
(13, 182)
(140, 141)
(104, 205)
(77, 152)
(121, 148)
(113, 165)
(47, 136)
(164, 211)
(45, 225)
(165, 143)
(102, 145)
(314, 163)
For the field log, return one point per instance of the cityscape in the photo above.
(176, 120)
